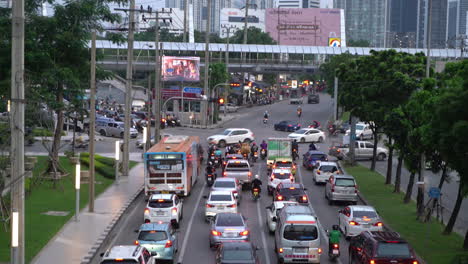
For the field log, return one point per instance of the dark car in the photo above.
(313, 98)
(291, 192)
(287, 126)
(312, 157)
(381, 247)
(237, 252)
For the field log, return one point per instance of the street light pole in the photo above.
(204, 107)
(77, 189)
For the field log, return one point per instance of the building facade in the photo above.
(439, 23)
(234, 18)
(297, 4)
(402, 23)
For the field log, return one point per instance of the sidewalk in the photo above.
(76, 242)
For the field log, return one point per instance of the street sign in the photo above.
(194, 90)
(294, 84)
(434, 192)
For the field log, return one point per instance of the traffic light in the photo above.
(235, 84)
(221, 101)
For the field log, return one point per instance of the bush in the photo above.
(101, 164)
(42, 132)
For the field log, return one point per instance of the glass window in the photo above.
(317, 157)
(328, 168)
(224, 184)
(236, 254)
(345, 182)
(281, 175)
(393, 250)
(220, 198)
(227, 132)
(160, 203)
(359, 127)
(241, 166)
(367, 214)
(369, 145)
(229, 220)
(300, 232)
(152, 235)
(301, 131)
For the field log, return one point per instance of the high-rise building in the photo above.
(402, 23)
(462, 18)
(439, 23)
(297, 4)
(365, 20)
(452, 23)
(234, 17)
(5, 3)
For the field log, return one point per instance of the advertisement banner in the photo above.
(334, 42)
(180, 69)
(304, 26)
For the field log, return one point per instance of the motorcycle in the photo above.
(254, 156)
(334, 253)
(217, 161)
(332, 131)
(265, 120)
(255, 193)
(295, 154)
(210, 178)
(263, 154)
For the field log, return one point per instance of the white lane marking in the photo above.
(322, 230)
(125, 223)
(260, 223)
(187, 236)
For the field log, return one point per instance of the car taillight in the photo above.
(244, 233)
(147, 211)
(336, 245)
(174, 211)
(279, 198)
(255, 189)
(415, 262)
(280, 250)
(225, 174)
(215, 233)
(250, 174)
(289, 125)
(136, 242)
(234, 192)
(320, 251)
(318, 172)
(378, 224)
(353, 223)
(168, 244)
(231, 206)
(209, 206)
(372, 261)
(304, 198)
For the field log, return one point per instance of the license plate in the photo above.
(366, 225)
(159, 213)
(216, 161)
(220, 207)
(300, 250)
(335, 251)
(230, 234)
(255, 193)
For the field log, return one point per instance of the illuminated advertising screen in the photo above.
(183, 69)
(305, 26)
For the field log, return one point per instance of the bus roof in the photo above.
(174, 144)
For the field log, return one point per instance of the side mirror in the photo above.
(205, 196)
(273, 219)
(340, 211)
(136, 230)
(305, 189)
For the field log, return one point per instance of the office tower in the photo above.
(462, 19)
(439, 23)
(402, 23)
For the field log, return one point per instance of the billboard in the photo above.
(305, 26)
(234, 18)
(182, 69)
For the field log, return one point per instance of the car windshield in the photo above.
(300, 232)
(152, 235)
(367, 214)
(229, 221)
(224, 184)
(227, 132)
(344, 182)
(220, 198)
(393, 250)
(237, 254)
(328, 168)
(113, 261)
(300, 131)
(281, 175)
(359, 127)
(160, 203)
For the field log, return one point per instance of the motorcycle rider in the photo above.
(210, 169)
(253, 148)
(264, 146)
(299, 111)
(333, 237)
(266, 115)
(312, 146)
(316, 124)
(256, 183)
(295, 148)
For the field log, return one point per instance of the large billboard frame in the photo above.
(180, 69)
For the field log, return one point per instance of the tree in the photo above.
(328, 69)
(218, 74)
(255, 36)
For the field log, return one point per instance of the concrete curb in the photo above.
(98, 244)
(365, 202)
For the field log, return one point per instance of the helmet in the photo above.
(253, 144)
(257, 176)
(294, 140)
(210, 163)
(336, 227)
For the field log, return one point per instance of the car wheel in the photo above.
(320, 140)
(381, 156)
(302, 140)
(222, 143)
(102, 132)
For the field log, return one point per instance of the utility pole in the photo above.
(92, 121)
(244, 55)
(204, 107)
(185, 21)
(148, 122)
(352, 140)
(335, 97)
(428, 32)
(228, 32)
(17, 133)
(128, 90)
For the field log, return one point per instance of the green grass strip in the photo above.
(39, 228)
(426, 238)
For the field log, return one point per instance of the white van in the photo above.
(297, 237)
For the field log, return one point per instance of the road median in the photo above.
(426, 238)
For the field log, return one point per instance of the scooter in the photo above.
(334, 253)
(265, 120)
(255, 193)
(254, 156)
(263, 154)
(210, 178)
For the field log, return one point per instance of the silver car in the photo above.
(111, 128)
(324, 170)
(355, 219)
(341, 188)
(219, 202)
(228, 184)
(228, 227)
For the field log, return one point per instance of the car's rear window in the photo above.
(152, 235)
(300, 232)
(125, 261)
(368, 214)
(237, 254)
(328, 168)
(241, 166)
(281, 175)
(221, 198)
(224, 184)
(393, 250)
(284, 164)
(345, 183)
(229, 221)
(160, 203)
(317, 156)
(291, 192)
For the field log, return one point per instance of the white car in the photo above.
(363, 131)
(228, 184)
(355, 219)
(230, 108)
(231, 136)
(166, 208)
(324, 170)
(278, 176)
(273, 213)
(219, 202)
(308, 135)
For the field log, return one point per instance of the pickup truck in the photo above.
(240, 170)
(363, 150)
